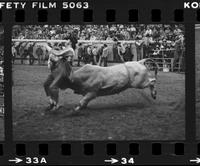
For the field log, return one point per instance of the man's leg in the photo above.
(181, 60)
(100, 60)
(58, 76)
(50, 93)
(47, 83)
(175, 58)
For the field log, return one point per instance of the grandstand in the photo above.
(142, 41)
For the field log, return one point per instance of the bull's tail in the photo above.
(151, 60)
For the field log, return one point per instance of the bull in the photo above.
(92, 81)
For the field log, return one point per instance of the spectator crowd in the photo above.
(155, 40)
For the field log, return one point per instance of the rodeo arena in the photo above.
(98, 82)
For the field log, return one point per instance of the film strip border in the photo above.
(103, 11)
(179, 152)
(65, 16)
(92, 153)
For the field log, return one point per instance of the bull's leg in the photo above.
(54, 98)
(47, 90)
(85, 100)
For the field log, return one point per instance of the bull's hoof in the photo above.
(77, 108)
(55, 109)
(52, 108)
(49, 108)
(75, 111)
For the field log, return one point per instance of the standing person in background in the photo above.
(127, 55)
(139, 46)
(94, 54)
(89, 52)
(133, 47)
(133, 50)
(73, 37)
(146, 46)
(79, 53)
(178, 53)
(121, 51)
(103, 58)
(115, 50)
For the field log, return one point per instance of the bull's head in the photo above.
(152, 81)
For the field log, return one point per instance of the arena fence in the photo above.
(79, 41)
(165, 62)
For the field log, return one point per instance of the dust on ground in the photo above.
(130, 115)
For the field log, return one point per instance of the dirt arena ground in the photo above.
(130, 115)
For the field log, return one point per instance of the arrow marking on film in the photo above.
(197, 160)
(112, 161)
(16, 160)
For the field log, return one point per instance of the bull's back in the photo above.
(103, 80)
(87, 78)
(109, 80)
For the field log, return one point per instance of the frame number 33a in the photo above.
(35, 160)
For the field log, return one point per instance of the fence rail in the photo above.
(64, 41)
(163, 62)
(167, 63)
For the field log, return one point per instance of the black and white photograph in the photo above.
(197, 64)
(98, 82)
(1, 83)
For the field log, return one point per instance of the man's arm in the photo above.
(62, 52)
(58, 53)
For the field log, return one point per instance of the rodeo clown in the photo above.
(55, 56)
